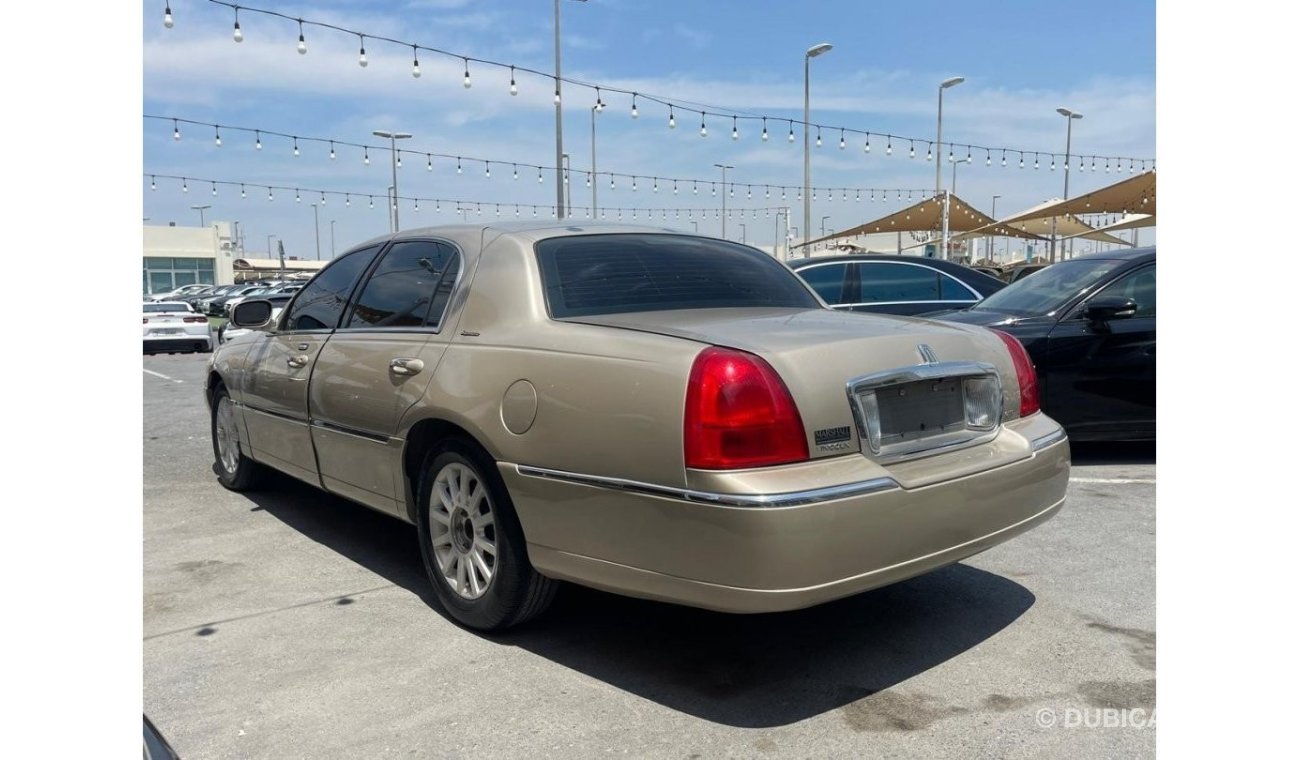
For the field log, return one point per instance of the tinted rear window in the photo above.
(613, 274)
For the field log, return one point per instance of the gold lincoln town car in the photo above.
(634, 409)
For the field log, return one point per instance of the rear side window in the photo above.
(950, 289)
(587, 275)
(886, 282)
(320, 304)
(409, 288)
(828, 280)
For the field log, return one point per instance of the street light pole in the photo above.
(724, 169)
(938, 173)
(568, 187)
(594, 181)
(742, 232)
(1070, 116)
(201, 209)
(811, 53)
(993, 236)
(393, 137)
(559, 126)
(331, 238)
(315, 215)
(824, 218)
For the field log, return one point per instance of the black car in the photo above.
(1015, 274)
(1089, 325)
(889, 284)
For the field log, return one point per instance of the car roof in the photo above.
(1121, 254)
(536, 230)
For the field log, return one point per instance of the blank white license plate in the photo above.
(174, 331)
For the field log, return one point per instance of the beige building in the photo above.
(176, 256)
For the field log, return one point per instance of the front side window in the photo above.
(1051, 288)
(320, 304)
(1140, 286)
(586, 275)
(409, 288)
(888, 283)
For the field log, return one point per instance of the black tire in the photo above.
(245, 474)
(515, 592)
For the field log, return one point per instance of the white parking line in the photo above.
(159, 374)
(1113, 480)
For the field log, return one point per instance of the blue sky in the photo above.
(1021, 60)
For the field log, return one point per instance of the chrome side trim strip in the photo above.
(789, 499)
(1043, 442)
(350, 431)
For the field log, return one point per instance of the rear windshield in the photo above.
(162, 308)
(586, 275)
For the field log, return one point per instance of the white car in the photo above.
(181, 292)
(174, 326)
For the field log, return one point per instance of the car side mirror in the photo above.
(251, 314)
(1107, 308)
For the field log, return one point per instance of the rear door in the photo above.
(275, 390)
(900, 287)
(832, 282)
(377, 365)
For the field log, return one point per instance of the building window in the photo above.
(163, 274)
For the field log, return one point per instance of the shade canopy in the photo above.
(1032, 220)
(1130, 222)
(1135, 195)
(927, 216)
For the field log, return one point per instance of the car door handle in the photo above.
(304, 346)
(402, 366)
(297, 361)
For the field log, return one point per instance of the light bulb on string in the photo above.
(302, 41)
(704, 130)
(950, 157)
(361, 58)
(557, 91)
(487, 169)
(295, 146)
(1052, 167)
(988, 160)
(399, 159)
(347, 200)
(735, 133)
(167, 16)
(176, 130)
(841, 139)
(674, 187)
(655, 187)
(214, 189)
(600, 104)
(1004, 158)
(764, 129)
(514, 90)
(1022, 160)
(539, 175)
(153, 182)
(634, 111)
(866, 146)
(372, 201)
(269, 196)
(611, 181)
(713, 189)
(365, 156)
(332, 154)
(242, 192)
(790, 137)
(968, 158)
(239, 33)
(296, 197)
(258, 144)
(459, 170)
(929, 153)
(634, 184)
(819, 137)
(588, 179)
(416, 208)
(1035, 160)
(672, 122)
(322, 199)
(185, 188)
(415, 62)
(467, 82)
(217, 139)
(514, 171)
(695, 188)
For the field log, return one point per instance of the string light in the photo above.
(487, 169)
(467, 83)
(634, 111)
(514, 90)
(764, 129)
(539, 175)
(790, 137)
(361, 59)
(258, 144)
(514, 171)
(399, 159)
(1004, 158)
(176, 130)
(322, 198)
(295, 146)
(217, 131)
(458, 169)
(296, 197)
(302, 41)
(347, 200)
(1035, 160)
(866, 146)
(372, 201)
(242, 193)
(167, 15)
(819, 137)
(185, 188)
(1022, 160)
(269, 196)
(672, 122)
(841, 139)
(332, 156)
(214, 189)
(239, 33)
(365, 156)
(704, 131)
(929, 156)
(557, 91)
(153, 182)
(600, 104)
(415, 62)
(735, 133)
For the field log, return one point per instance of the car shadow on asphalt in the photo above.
(739, 670)
(1104, 452)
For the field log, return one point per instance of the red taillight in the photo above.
(146, 320)
(740, 414)
(1025, 374)
(196, 319)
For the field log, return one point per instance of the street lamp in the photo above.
(938, 174)
(392, 137)
(315, 215)
(201, 209)
(742, 232)
(724, 169)
(559, 126)
(1070, 116)
(812, 53)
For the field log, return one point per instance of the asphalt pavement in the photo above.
(290, 623)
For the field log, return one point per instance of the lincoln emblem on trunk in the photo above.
(927, 354)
